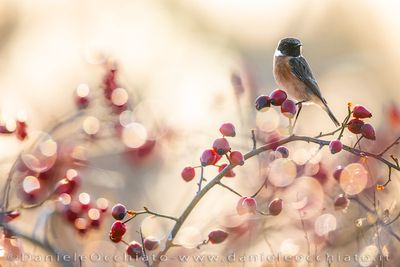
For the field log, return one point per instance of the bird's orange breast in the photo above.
(286, 79)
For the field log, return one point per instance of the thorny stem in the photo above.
(216, 180)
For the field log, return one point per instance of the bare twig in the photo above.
(253, 137)
(230, 189)
(147, 211)
(200, 182)
(396, 142)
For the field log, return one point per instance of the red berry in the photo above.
(135, 250)
(361, 112)
(217, 236)
(20, 131)
(341, 202)
(275, 206)
(230, 173)
(337, 172)
(236, 158)
(288, 108)
(263, 102)
(277, 97)
(151, 243)
(368, 131)
(118, 211)
(283, 151)
(188, 173)
(9, 216)
(221, 146)
(355, 125)
(118, 229)
(209, 157)
(246, 205)
(335, 146)
(227, 129)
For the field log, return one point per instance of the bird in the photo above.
(292, 72)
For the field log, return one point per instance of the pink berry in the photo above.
(228, 129)
(118, 229)
(361, 112)
(283, 151)
(288, 108)
(20, 131)
(335, 146)
(221, 146)
(188, 173)
(230, 173)
(368, 131)
(209, 157)
(355, 125)
(135, 250)
(337, 172)
(217, 236)
(277, 97)
(246, 205)
(236, 158)
(263, 103)
(275, 207)
(118, 211)
(151, 243)
(341, 202)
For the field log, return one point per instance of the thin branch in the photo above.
(146, 260)
(328, 134)
(147, 211)
(253, 137)
(345, 121)
(229, 188)
(200, 182)
(396, 142)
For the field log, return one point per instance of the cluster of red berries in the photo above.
(277, 98)
(358, 126)
(220, 147)
(80, 210)
(83, 213)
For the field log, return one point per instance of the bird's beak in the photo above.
(299, 45)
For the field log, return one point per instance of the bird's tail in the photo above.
(330, 113)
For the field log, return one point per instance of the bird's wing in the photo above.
(302, 71)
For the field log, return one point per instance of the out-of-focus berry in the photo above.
(217, 236)
(151, 243)
(246, 205)
(135, 250)
(275, 207)
(341, 202)
(337, 172)
(283, 151)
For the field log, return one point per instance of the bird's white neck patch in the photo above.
(278, 53)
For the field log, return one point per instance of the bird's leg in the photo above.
(300, 104)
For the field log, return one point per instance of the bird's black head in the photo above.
(289, 47)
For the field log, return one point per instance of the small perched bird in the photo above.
(292, 72)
